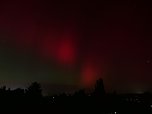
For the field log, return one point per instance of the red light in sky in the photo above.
(89, 74)
(66, 52)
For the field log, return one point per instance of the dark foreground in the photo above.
(109, 104)
(30, 100)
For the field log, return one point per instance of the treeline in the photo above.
(31, 100)
(35, 90)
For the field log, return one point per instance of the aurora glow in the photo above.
(73, 43)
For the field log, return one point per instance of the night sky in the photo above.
(66, 45)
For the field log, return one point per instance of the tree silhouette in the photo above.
(99, 88)
(34, 90)
(80, 93)
(18, 92)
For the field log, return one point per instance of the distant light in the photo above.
(115, 112)
(150, 106)
(53, 97)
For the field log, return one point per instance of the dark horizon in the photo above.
(56, 89)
